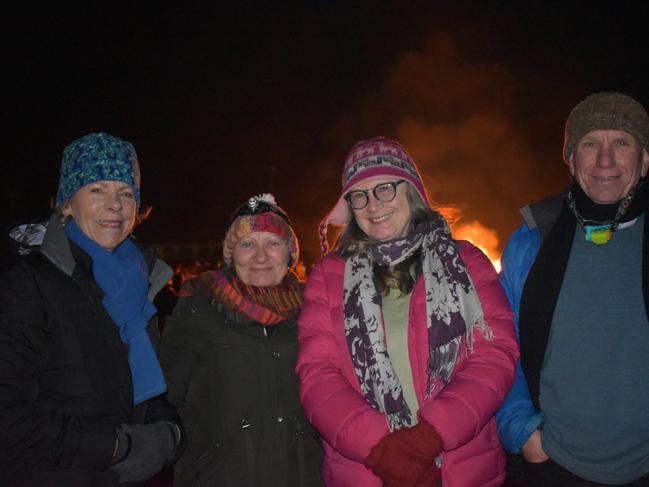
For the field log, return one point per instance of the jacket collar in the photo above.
(160, 275)
(56, 248)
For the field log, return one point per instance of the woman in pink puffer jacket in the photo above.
(407, 346)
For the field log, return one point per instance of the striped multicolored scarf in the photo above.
(266, 305)
(453, 311)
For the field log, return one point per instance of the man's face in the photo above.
(607, 164)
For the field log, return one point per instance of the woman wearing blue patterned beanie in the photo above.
(82, 394)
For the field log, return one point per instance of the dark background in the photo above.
(227, 101)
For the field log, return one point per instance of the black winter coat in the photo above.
(65, 382)
(237, 394)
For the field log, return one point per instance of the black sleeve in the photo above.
(177, 351)
(159, 408)
(34, 431)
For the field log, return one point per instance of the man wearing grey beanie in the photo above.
(576, 274)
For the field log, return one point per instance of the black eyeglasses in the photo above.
(384, 192)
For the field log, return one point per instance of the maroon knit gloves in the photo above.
(406, 457)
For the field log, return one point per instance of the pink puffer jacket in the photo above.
(461, 412)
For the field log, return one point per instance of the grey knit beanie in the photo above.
(606, 111)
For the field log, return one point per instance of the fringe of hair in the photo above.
(403, 276)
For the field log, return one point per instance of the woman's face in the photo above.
(383, 221)
(104, 211)
(261, 259)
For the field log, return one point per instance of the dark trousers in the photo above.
(551, 474)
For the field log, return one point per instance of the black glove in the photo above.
(160, 409)
(143, 449)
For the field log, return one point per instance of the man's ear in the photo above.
(645, 163)
(571, 164)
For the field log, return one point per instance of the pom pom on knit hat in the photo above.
(97, 157)
(606, 111)
(368, 159)
(260, 214)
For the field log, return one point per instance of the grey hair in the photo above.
(404, 275)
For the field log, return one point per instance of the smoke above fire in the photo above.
(462, 121)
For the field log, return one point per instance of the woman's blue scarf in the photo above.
(123, 276)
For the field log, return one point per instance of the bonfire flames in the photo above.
(482, 237)
(485, 238)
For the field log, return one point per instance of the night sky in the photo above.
(225, 102)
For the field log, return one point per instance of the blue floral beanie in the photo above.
(97, 157)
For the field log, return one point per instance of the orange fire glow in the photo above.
(482, 237)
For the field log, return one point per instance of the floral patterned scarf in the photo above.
(452, 309)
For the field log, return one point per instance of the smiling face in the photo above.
(384, 221)
(104, 211)
(607, 164)
(261, 259)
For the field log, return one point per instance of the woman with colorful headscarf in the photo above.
(81, 389)
(407, 345)
(229, 352)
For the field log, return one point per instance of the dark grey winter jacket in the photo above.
(237, 393)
